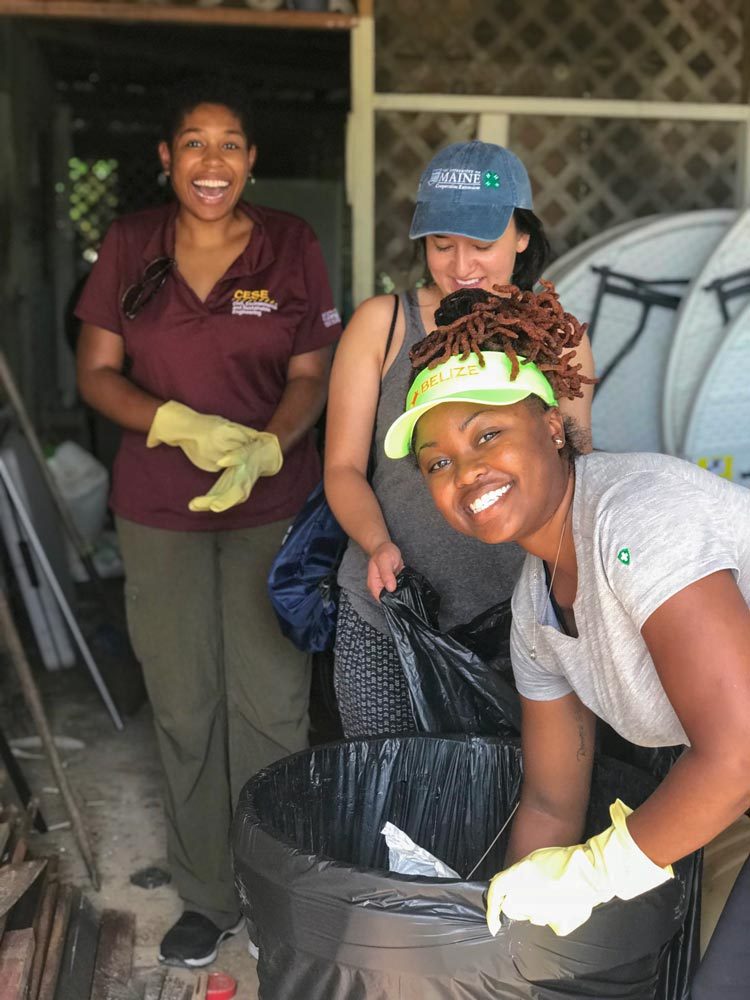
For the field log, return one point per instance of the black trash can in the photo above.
(333, 924)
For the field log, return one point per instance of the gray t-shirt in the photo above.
(644, 527)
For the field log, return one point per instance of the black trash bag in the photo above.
(459, 681)
(333, 924)
(657, 761)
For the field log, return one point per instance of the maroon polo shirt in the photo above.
(227, 355)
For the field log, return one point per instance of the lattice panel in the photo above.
(93, 200)
(587, 174)
(676, 50)
(404, 144)
(102, 188)
(590, 174)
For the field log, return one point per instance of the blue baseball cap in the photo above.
(470, 189)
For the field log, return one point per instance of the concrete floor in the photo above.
(116, 778)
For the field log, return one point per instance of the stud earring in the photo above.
(559, 442)
(250, 177)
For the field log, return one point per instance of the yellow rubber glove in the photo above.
(203, 437)
(560, 886)
(243, 467)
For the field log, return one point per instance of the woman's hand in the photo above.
(242, 469)
(560, 886)
(385, 563)
(203, 437)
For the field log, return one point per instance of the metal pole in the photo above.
(49, 573)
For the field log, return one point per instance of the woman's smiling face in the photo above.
(457, 262)
(494, 472)
(209, 160)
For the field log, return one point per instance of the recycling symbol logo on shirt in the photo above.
(491, 179)
(624, 556)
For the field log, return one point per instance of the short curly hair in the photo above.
(188, 93)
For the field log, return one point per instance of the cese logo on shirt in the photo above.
(253, 302)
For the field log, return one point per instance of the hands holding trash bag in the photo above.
(560, 886)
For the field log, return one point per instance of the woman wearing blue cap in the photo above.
(632, 606)
(473, 214)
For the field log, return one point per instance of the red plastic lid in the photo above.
(220, 986)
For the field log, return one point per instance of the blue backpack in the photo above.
(302, 582)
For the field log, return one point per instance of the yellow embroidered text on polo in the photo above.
(253, 302)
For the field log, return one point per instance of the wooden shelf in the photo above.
(127, 10)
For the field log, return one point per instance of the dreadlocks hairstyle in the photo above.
(531, 325)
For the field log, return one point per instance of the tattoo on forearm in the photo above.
(581, 751)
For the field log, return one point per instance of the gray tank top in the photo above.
(469, 575)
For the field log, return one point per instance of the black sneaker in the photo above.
(194, 940)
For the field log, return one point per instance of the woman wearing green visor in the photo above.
(632, 606)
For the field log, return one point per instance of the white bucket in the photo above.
(84, 484)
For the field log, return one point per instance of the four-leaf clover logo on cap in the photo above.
(624, 556)
(491, 179)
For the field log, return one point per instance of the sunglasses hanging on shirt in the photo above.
(154, 275)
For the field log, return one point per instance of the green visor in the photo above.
(466, 381)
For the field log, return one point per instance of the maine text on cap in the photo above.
(461, 179)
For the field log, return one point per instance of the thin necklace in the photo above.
(532, 651)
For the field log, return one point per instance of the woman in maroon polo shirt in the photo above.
(208, 326)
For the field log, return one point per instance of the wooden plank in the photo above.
(19, 851)
(201, 986)
(114, 955)
(16, 955)
(26, 911)
(43, 926)
(15, 880)
(95, 10)
(154, 984)
(56, 945)
(175, 988)
(79, 954)
(561, 107)
(17, 854)
(4, 837)
(360, 159)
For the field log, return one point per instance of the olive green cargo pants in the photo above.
(229, 693)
